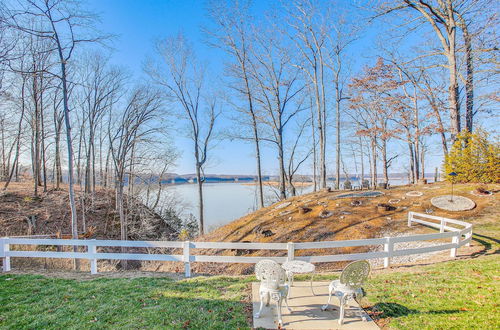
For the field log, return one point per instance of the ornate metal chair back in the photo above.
(355, 274)
(270, 274)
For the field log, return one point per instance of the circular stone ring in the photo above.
(414, 193)
(453, 203)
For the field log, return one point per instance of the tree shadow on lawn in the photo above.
(384, 310)
(485, 241)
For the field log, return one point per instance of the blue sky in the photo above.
(137, 24)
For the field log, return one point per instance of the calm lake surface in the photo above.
(225, 202)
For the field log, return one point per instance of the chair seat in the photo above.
(345, 289)
(282, 288)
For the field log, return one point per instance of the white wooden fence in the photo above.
(459, 232)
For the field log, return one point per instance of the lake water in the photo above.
(225, 202)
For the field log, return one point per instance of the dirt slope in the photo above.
(49, 214)
(285, 221)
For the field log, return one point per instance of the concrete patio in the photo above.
(306, 310)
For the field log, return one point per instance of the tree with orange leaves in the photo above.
(376, 98)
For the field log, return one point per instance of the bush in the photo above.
(474, 158)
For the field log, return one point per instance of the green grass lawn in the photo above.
(457, 294)
(463, 294)
(37, 302)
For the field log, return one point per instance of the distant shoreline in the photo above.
(276, 183)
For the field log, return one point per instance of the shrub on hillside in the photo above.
(474, 158)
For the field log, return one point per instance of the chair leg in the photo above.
(342, 309)
(330, 291)
(278, 307)
(289, 276)
(286, 303)
(263, 296)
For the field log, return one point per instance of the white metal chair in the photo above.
(272, 285)
(349, 286)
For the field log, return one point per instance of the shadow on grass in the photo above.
(485, 241)
(388, 309)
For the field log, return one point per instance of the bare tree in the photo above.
(65, 25)
(342, 36)
(296, 156)
(441, 17)
(134, 126)
(232, 34)
(279, 94)
(310, 38)
(183, 78)
(377, 99)
(100, 88)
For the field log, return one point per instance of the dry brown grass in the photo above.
(52, 213)
(286, 224)
(347, 222)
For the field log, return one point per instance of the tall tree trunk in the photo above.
(106, 169)
(15, 164)
(120, 199)
(36, 127)
(373, 146)
(4, 166)
(453, 90)
(384, 161)
(58, 165)
(79, 159)
(413, 177)
(259, 170)
(199, 182)
(315, 158)
(74, 216)
(416, 123)
(321, 130)
(255, 135)
(42, 127)
(88, 179)
(131, 172)
(362, 161)
(469, 81)
(281, 160)
(422, 162)
(337, 114)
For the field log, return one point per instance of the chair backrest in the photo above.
(355, 274)
(270, 273)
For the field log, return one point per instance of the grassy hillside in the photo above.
(347, 221)
(285, 221)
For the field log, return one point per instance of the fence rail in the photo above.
(460, 234)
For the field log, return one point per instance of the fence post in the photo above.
(291, 251)
(92, 249)
(441, 228)
(469, 234)
(5, 247)
(453, 251)
(410, 218)
(187, 264)
(388, 247)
